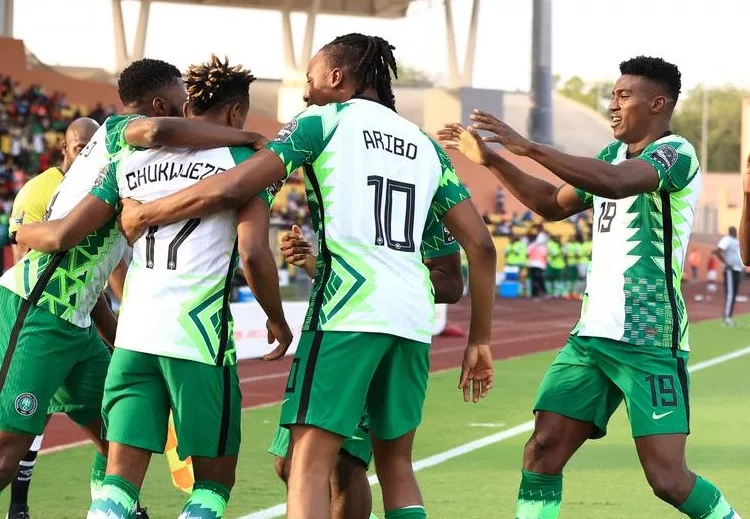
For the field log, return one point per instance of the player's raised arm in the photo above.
(745, 221)
(547, 200)
(259, 268)
(179, 132)
(57, 235)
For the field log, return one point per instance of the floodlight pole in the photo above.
(540, 120)
(296, 66)
(457, 80)
(6, 18)
(122, 57)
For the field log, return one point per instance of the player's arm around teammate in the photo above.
(261, 273)
(140, 132)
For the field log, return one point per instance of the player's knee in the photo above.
(282, 468)
(348, 472)
(539, 454)
(670, 486)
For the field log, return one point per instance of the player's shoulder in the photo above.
(672, 144)
(114, 121)
(240, 153)
(610, 151)
(673, 150)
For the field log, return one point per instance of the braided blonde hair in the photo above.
(214, 83)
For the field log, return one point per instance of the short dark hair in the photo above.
(657, 70)
(144, 78)
(370, 60)
(214, 84)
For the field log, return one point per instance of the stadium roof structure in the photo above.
(369, 8)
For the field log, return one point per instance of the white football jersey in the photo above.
(176, 300)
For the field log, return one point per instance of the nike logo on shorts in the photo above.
(284, 401)
(660, 416)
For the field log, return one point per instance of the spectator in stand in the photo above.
(32, 123)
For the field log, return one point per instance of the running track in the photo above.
(520, 326)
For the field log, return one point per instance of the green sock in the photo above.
(706, 502)
(539, 496)
(115, 500)
(207, 501)
(98, 471)
(409, 512)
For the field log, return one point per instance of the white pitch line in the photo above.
(280, 509)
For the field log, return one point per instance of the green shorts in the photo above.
(49, 366)
(335, 375)
(571, 273)
(553, 274)
(205, 399)
(358, 446)
(591, 376)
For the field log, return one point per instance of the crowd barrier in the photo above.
(250, 334)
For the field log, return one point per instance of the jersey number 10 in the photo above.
(179, 238)
(383, 231)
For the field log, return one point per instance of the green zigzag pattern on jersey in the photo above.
(202, 322)
(350, 291)
(322, 172)
(433, 242)
(649, 235)
(70, 278)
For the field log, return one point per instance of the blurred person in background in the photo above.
(728, 252)
(537, 254)
(555, 267)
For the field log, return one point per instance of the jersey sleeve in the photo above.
(105, 186)
(303, 139)
(675, 161)
(241, 154)
(436, 240)
(450, 191)
(585, 197)
(723, 243)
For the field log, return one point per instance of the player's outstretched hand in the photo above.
(477, 372)
(501, 132)
(295, 247)
(129, 220)
(465, 140)
(257, 141)
(278, 332)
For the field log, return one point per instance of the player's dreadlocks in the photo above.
(657, 70)
(144, 78)
(215, 84)
(370, 60)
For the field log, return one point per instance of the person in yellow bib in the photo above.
(515, 256)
